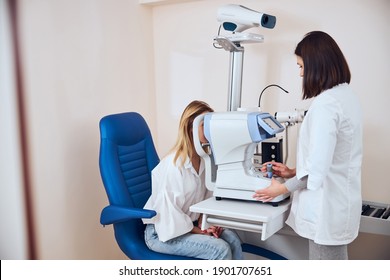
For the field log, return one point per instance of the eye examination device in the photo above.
(234, 135)
(234, 20)
(232, 139)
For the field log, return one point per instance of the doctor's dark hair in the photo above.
(184, 147)
(324, 65)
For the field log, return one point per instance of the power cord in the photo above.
(272, 85)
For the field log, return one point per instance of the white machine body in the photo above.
(233, 137)
(237, 18)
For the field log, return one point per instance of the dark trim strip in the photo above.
(14, 20)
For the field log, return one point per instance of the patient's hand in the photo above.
(214, 231)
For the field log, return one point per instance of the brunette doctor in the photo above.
(326, 184)
(178, 182)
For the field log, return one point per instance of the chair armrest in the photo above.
(115, 214)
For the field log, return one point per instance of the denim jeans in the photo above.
(226, 247)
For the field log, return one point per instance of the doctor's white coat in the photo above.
(330, 153)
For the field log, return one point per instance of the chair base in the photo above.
(252, 249)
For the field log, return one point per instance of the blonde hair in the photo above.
(184, 147)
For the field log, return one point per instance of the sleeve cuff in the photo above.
(294, 183)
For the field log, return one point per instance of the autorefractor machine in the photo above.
(232, 140)
(234, 135)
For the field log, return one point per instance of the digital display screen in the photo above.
(271, 123)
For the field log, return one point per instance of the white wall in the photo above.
(188, 67)
(82, 60)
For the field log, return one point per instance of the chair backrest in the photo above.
(127, 157)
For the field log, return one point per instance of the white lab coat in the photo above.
(174, 190)
(330, 154)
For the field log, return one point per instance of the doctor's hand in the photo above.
(276, 188)
(279, 169)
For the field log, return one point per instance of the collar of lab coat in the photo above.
(188, 165)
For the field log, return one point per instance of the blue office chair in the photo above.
(127, 157)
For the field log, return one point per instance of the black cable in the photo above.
(272, 85)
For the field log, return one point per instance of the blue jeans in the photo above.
(226, 247)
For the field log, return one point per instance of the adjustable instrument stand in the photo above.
(233, 45)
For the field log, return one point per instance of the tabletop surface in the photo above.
(240, 209)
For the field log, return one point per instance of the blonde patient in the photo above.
(178, 182)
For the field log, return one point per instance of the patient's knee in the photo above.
(222, 251)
